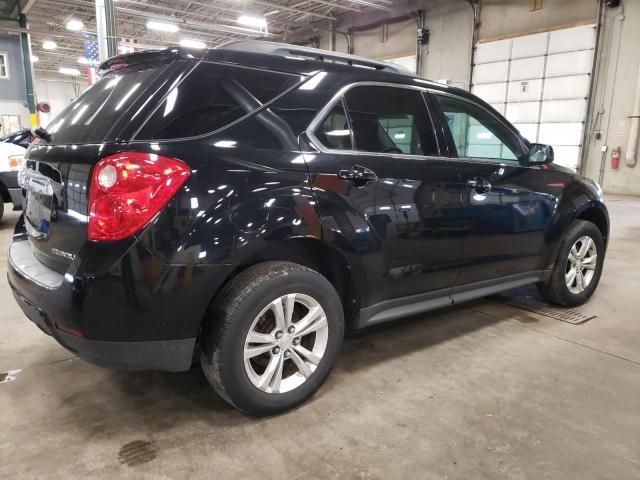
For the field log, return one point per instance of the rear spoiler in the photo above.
(128, 59)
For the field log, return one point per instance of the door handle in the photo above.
(358, 174)
(479, 184)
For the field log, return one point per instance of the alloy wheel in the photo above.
(286, 343)
(581, 264)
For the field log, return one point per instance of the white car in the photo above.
(12, 150)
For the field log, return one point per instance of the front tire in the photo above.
(272, 337)
(578, 268)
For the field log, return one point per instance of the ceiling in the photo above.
(211, 21)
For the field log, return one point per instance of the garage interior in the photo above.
(490, 389)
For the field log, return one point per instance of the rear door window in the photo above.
(390, 120)
(212, 97)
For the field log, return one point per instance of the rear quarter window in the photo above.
(212, 97)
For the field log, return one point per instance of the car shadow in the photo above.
(159, 401)
(9, 218)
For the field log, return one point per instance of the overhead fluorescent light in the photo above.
(83, 61)
(34, 58)
(49, 45)
(75, 25)
(191, 43)
(162, 26)
(69, 71)
(252, 21)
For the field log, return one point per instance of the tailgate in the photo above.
(56, 175)
(56, 181)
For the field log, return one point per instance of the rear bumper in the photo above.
(168, 355)
(113, 321)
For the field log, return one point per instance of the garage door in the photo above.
(541, 84)
(408, 62)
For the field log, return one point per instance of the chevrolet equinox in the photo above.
(252, 202)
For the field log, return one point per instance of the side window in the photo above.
(212, 97)
(390, 120)
(476, 133)
(334, 131)
(4, 65)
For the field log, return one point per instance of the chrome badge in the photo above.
(60, 253)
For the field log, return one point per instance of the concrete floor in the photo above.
(481, 391)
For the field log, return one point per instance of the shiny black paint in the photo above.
(261, 185)
(505, 226)
(403, 228)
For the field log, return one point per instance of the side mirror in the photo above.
(539, 154)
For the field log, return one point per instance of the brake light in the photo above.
(128, 189)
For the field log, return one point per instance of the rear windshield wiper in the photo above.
(42, 133)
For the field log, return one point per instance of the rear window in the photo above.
(91, 117)
(212, 97)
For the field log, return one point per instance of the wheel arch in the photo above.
(593, 211)
(598, 217)
(313, 253)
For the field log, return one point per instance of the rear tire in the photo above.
(578, 268)
(256, 362)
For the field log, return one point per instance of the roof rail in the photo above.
(289, 50)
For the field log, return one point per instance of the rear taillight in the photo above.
(128, 189)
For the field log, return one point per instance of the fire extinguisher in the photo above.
(615, 158)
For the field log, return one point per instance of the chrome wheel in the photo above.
(581, 264)
(286, 343)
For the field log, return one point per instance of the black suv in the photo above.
(255, 201)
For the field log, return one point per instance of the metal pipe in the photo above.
(475, 7)
(101, 27)
(634, 129)
(591, 101)
(112, 27)
(419, 51)
(620, 17)
(332, 36)
(25, 43)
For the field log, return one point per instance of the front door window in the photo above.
(476, 133)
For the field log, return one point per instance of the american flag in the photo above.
(92, 55)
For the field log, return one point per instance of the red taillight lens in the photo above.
(128, 189)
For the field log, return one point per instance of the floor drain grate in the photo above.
(532, 305)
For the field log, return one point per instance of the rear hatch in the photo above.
(56, 175)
